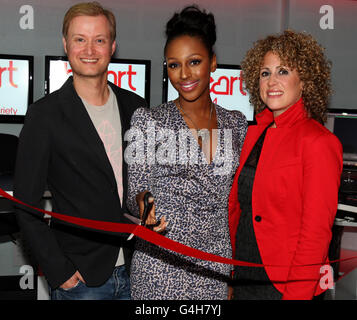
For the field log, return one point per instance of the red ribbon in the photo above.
(151, 236)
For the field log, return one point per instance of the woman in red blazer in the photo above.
(285, 192)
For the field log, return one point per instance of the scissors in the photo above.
(147, 207)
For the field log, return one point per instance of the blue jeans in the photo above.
(117, 287)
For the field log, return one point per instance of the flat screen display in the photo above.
(343, 123)
(226, 89)
(130, 74)
(16, 87)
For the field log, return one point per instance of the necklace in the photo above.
(200, 132)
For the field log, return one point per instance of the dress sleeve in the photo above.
(242, 127)
(137, 156)
(322, 166)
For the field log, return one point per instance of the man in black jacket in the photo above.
(72, 142)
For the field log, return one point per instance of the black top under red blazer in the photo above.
(294, 199)
(60, 147)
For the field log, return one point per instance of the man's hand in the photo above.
(72, 281)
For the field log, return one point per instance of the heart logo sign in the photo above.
(220, 87)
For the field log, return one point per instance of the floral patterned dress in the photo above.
(164, 158)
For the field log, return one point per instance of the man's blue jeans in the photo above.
(117, 287)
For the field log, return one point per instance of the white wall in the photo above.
(141, 24)
(140, 32)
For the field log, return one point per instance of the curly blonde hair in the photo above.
(299, 51)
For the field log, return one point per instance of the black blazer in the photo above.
(60, 148)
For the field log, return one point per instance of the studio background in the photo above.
(34, 28)
(141, 25)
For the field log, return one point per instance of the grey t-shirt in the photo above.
(106, 120)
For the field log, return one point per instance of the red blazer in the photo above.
(295, 197)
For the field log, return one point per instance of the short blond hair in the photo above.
(89, 9)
